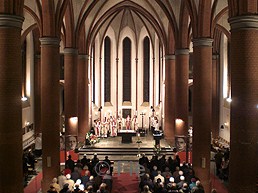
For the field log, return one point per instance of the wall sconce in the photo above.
(74, 120)
(179, 121)
(24, 98)
(229, 100)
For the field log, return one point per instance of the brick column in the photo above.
(244, 111)
(70, 91)
(83, 97)
(10, 104)
(50, 120)
(202, 103)
(37, 93)
(215, 95)
(169, 125)
(182, 76)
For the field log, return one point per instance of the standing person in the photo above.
(70, 163)
(85, 161)
(119, 122)
(38, 145)
(128, 122)
(31, 159)
(97, 128)
(218, 160)
(135, 123)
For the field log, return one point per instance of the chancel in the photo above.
(99, 74)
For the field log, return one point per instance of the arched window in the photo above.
(24, 63)
(93, 74)
(107, 68)
(126, 69)
(146, 69)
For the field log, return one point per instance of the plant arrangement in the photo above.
(91, 139)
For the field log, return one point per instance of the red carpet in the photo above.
(217, 184)
(125, 183)
(34, 185)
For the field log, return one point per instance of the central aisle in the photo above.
(125, 183)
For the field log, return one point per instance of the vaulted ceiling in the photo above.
(163, 18)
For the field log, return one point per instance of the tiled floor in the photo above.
(147, 141)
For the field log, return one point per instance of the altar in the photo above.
(157, 136)
(126, 135)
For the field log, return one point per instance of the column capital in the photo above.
(50, 41)
(170, 57)
(70, 51)
(202, 42)
(182, 51)
(84, 56)
(244, 22)
(11, 21)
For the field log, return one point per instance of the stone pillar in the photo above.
(215, 95)
(50, 120)
(202, 104)
(70, 91)
(244, 112)
(11, 177)
(169, 125)
(182, 76)
(83, 97)
(37, 93)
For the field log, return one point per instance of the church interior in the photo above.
(127, 78)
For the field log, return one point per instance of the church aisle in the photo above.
(125, 183)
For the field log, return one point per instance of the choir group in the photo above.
(111, 125)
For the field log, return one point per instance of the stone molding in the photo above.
(70, 51)
(83, 56)
(182, 52)
(11, 21)
(50, 41)
(170, 57)
(244, 22)
(202, 42)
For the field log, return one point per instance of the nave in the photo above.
(124, 159)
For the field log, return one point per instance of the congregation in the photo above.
(86, 175)
(167, 175)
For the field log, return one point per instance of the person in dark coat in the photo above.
(70, 163)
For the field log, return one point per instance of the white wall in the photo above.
(225, 91)
(28, 111)
(117, 76)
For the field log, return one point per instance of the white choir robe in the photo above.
(97, 129)
(135, 124)
(113, 131)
